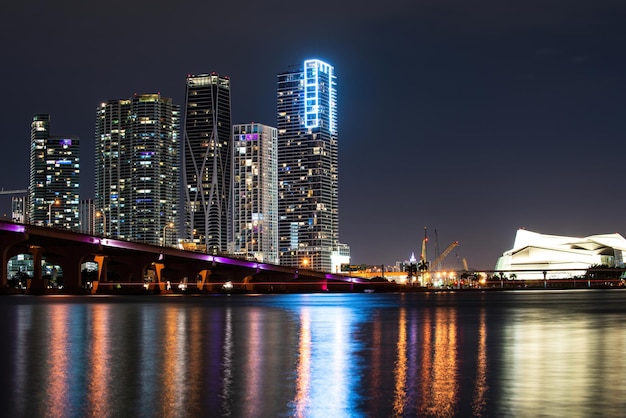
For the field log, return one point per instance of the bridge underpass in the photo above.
(129, 267)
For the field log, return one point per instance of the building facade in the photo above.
(53, 193)
(255, 193)
(308, 167)
(207, 154)
(87, 216)
(19, 209)
(137, 169)
(537, 256)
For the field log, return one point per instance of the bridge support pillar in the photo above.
(248, 286)
(102, 261)
(72, 272)
(160, 284)
(36, 285)
(203, 280)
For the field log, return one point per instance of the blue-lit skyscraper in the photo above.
(137, 169)
(307, 168)
(53, 193)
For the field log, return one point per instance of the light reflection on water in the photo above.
(481, 387)
(477, 354)
(303, 370)
(574, 365)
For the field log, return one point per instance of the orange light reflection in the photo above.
(399, 402)
(174, 359)
(99, 361)
(304, 365)
(441, 384)
(58, 390)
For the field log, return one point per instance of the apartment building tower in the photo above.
(255, 193)
(308, 167)
(137, 169)
(207, 153)
(53, 192)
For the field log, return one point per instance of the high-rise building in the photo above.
(308, 173)
(137, 169)
(53, 193)
(207, 153)
(255, 193)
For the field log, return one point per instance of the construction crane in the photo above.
(437, 261)
(2, 191)
(423, 264)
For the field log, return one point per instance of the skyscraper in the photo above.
(255, 193)
(207, 153)
(137, 169)
(53, 193)
(308, 172)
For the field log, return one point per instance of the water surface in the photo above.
(513, 353)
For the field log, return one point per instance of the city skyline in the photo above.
(470, 120)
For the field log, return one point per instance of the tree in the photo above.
(603, 272)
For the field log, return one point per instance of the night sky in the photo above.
(472, 119)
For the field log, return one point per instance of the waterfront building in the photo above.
(53, 192)
(207, 154)
(308, 168)
(137, 169)
(560, 257)
(255, 194)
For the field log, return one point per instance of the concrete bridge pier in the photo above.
(102, 261)
(247, 284)
(72, 271)
(71, 262)
(36, 285)
(129, 270)
(203, 280)
(159, 286)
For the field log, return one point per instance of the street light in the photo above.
(104, 222)
(171, 225)
(55, 202)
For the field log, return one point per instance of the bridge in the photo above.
(131, 267)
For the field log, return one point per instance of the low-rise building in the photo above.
(560, 257)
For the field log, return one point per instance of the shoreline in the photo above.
(360, 288)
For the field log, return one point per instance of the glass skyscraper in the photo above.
(137, 169)
(207, 154)
(307, 171)
(255, 194)
(53, 193)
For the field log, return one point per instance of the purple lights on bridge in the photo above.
(12, 227)
(129, 261)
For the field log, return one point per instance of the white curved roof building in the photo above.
(560, 257)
